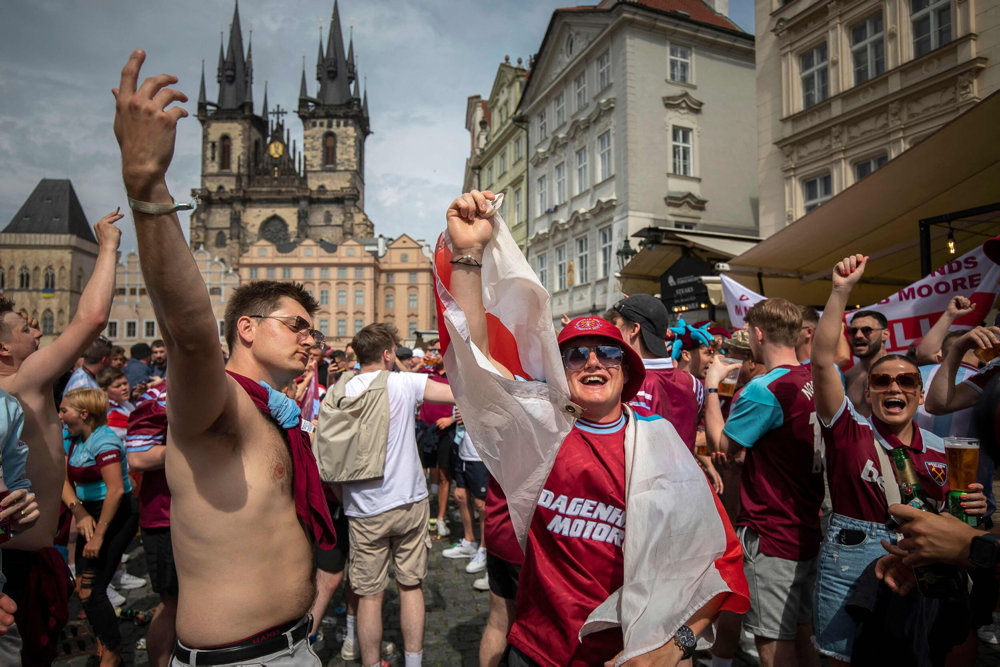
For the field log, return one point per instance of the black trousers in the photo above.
(95, 573)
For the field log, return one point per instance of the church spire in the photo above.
(332, 70)
(263, 112)
(234, 75)
(364, 105)
(352, 71)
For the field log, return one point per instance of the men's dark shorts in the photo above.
(160, 560)
(334, 560)
(472, 475)
(503, 576)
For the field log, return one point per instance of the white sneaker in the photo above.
(125, 581)
(117, 599)
(351, 651)
(482, 584)
(990, 633)
(461, 549)
(478, 563)
(442, 528)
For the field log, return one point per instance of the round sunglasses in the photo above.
(608, 356)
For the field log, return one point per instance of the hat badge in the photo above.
(588, 324)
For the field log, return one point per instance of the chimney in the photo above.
(720, 6)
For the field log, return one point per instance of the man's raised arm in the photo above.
(146, 130)
(829, 392)
(45, 366)
(470, 231)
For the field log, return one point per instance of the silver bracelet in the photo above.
(150, 208)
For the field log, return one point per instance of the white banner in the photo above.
(739, 300)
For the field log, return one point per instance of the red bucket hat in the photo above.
(591, 325)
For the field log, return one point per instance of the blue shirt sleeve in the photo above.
(755, 412)
(15, 452)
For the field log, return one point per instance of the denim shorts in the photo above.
(840, 565)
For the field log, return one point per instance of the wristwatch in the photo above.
(984, 551)
(686, 641)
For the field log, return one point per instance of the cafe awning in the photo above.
(954, 171)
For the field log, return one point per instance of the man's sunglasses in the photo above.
(865, 331)
(908, 382)
(608, 356)
(300, 325)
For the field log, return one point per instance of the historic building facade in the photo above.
(843, 87)
(256, 183)
(499, 146)
(47, 254)
(641, 117)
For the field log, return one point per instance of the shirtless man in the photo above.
(867, 334)
(244, 560)
(28, 374)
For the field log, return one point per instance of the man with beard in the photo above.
(867, 334)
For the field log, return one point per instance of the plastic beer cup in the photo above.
(963, 461)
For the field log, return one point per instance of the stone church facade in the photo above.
(258, 184)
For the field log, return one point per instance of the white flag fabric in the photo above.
(739, 300)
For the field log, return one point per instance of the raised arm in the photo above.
(929, 348)
(146, 129)
(718, 441)
(44, 367)
(470, 232)
(944, 396)
(829, 391)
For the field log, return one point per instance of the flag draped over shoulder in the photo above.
(680, 550)
(532, 418)
(310, 401)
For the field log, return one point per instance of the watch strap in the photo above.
(984, 551)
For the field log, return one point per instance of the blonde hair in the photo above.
(94, 401)
(778, 318)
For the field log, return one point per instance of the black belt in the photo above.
(287, 636)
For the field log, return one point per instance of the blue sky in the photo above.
(422, 59)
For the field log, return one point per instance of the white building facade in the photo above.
(641, 115)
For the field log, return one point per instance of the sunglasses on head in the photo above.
(908, 382)
(609, 356)
(865, 331)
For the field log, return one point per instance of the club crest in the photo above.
(938, 472)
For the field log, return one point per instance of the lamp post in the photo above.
(625, 254)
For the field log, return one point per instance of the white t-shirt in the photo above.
(404, 477)
(466, 450)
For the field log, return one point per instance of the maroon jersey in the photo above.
(574, 557)
(430, 412)
(673, 394)
(782, 483)
(500, 539)
(857, 481)
(983, 377)
(147, 428)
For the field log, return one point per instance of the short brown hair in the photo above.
(261, 297)
(778, 318)
(809, 314)
(108, 376)
(98, 350)
(94, 401)
(373, 340)
(6, 306)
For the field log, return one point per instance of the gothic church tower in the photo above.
(255, 184)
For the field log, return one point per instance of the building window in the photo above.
(359, 272)
(931, 21)
(329, 149)
(411, 300)
(404, 257)
(286, 272)
(581, 90)
(682, 151)
(324, 272)
(359, 324)
(341, 272)
(254, 273)
(582, 261)
(270, 273)
(560, 109)
(412, 329)
(543, 200)
(341, 327)
(48, 322)
(560, 182)
(390, 301)
(561, 267)
(489, 175)
(582, 182)
(604, 154)
(324, 297)
(131, 328)
(517, 207)
(680, 64)
(543, 270)
(350, 252)
(308, 272)
(212, 291)
(49, 278)
(149, 328)
(324, 325)
(220, 239)
(866, 167)
(518, 150)
(24, 278)
(225, 153)
(542, 132)
(815, 77)
(503, 162)
(359, 297)
(604, 241)
(112, 330)
(603, 70)
(817, 190)
(3, 280)
(413, 276)
(341, 297)
(868, 49)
